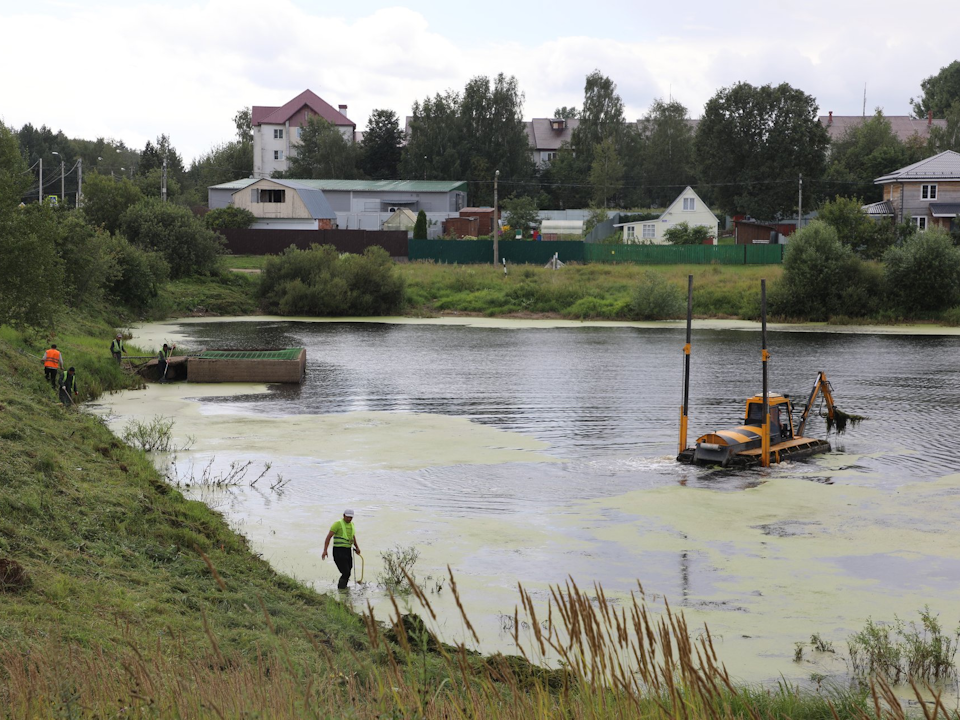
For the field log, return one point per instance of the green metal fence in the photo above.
(519, 252)
(515, 252)
(685, 254)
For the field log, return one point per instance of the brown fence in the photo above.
(271, 242)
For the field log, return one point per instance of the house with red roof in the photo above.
(276, 130)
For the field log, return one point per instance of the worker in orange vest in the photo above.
(52, 366)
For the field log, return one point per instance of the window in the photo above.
(920, 222)
(649, 231)
(272, 196)
(689, 204)
(928, 192)
(631, 233)
(278, 154)
(299, 132)
(278, 133)
(547, 156)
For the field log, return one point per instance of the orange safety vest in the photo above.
(52, 358)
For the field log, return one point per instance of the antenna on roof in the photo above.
(864, 100)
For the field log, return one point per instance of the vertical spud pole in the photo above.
(686, 367)
(764, 355)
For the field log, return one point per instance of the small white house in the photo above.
(688, 208)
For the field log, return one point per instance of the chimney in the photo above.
(929, 118)
(343, 110)
(830, 119)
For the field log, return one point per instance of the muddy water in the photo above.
(532, 454)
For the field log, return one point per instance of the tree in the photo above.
(601, 117)
(866, 237)
(31, 272)
(223, 163)
(89, 265)
(433, 147)
(381, 148)
(323, 152)
(864, 153)
(105, 199)
(188, 247)
(522, 213)
(822, 278)
(153, 156)
(420, 226)
(606, 173)
(567, 113)
(494, 135)
(946, 138)
(923, 274)
(243, 121)
(666, 152)
(683, 234)
(753, 144)
(563, 180)
(940, 92)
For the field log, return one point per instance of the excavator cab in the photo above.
(781, 420)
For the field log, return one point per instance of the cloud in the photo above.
(133, 71)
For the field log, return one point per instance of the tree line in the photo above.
(745, 154)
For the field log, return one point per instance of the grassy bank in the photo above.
(121, 598)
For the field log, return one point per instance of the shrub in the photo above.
(683, 234)
(229, 217)
(923, 274)
(398, 564)
(139, 274)
(188, 247)
(867, 238)
(822, 277)
(656, 298)
(320, 282)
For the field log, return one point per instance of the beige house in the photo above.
(688, 208)
(927, 192)
(286, 204)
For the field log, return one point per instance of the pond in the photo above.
(534, 454)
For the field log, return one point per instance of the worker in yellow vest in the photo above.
(344, 537)
(52, 366)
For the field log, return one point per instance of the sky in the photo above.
(132, 70)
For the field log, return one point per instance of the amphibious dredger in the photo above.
(768, 434)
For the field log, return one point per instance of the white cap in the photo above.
(348, 513)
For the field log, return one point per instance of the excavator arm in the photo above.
(820, 385)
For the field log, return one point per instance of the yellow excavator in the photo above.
(768, 434)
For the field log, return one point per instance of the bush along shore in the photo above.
(122, 598)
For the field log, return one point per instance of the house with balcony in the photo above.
(276, 130)
(688, 208)
(927, 192)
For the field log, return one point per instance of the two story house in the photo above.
(276, 130)
(927, 192)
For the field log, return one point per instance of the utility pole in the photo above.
(63, 198)
(40, 195)
(800, 205)
(163, 181)
(79, 182)
(496, 224)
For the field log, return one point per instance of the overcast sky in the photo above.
(132, 70)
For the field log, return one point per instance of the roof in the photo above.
(264, 115)
(542, 136)
(945, 209)
(944, 166)
(903, 126)
(411, 186)
(884, 208)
